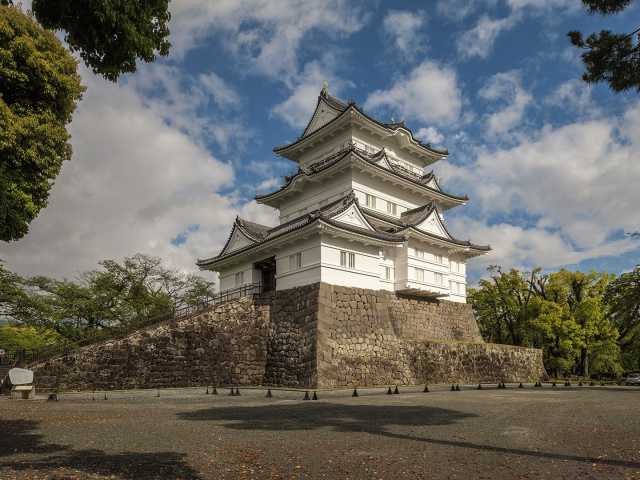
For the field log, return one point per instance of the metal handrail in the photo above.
(25, 356)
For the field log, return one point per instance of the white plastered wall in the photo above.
(308, 273)
(367, 271)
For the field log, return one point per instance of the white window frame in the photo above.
(419, 274)
(352, 260)
(370, 201)
(438, 279)
(295, 261)
(343, 259)
(438, 258)
(419, 253)
(392, 208)
(387, 273)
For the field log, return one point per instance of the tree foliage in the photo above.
(118, 297)
(110, 35)
(623, 297)
(564, 313)
(39, 89)
(610, 57)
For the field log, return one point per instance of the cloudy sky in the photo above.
(167, 157)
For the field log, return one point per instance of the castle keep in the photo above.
(361, 283)
(359, 212)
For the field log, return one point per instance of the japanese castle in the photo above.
(360, 212)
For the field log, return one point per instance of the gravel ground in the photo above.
(575, 432)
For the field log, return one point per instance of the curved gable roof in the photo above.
(344, 108)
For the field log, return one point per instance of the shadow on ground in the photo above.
(369, 419)
(341, 418)
(20, 437)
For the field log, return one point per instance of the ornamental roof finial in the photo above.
(325, 88)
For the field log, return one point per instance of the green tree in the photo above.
(119, 296)
(110, 35)
(610, 57)
(15, 337)
(39, 89)
(623, 299)
(504, 306)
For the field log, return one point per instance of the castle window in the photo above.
(239, 279)
(392, 208)
(371, 201)
(295, 261)
(387, 273)
(348, 259)
(437, 258)
(438, 278)
(419, 253)
(419, 275)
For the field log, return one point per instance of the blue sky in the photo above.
(165, 159)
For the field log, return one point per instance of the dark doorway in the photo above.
(268, 277)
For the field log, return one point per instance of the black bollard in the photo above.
(315, 397)
(479, 387)
(355, 393)
(306, 396)
(426, 389)
(215, 391)
(207, 392)
(389, 392)
(553, 384)
(237, 392)
(457, 387)
(520, 386)
(105, 396)
(453, 388)
(396, 391)
(269, 395)
(232, 393)
(157, 393)
(53, 397)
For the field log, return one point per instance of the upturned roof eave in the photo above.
(375, 236)
(434, 153)
(454, 199)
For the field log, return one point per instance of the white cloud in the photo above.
(297, 109)
(456, 10)
(573, 95)
(507, 88)
(184, 102)
(430, 93)
(430, 135)
(573, 186)
(220, 90)
(266, 34)
(479, 41)
(403, 30)
(134, 183)
(548, 5)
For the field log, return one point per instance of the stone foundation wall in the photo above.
(291, 346)
(226, 345)
(316, 335)
(371, 337)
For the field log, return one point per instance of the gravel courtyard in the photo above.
(575, 432)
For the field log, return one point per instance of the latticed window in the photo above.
(387, 273)
(295, 261)
(371, 201)
(239, 279)
(419, 275)
(438, 278)
(392, 208)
